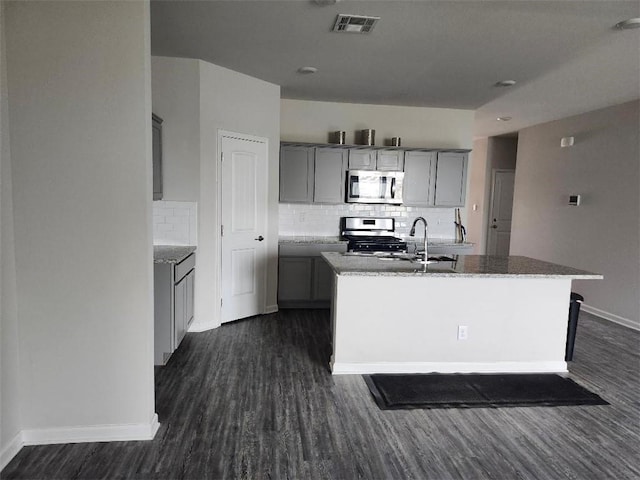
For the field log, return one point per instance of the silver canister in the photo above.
(396, 141)
(339, 137)
(368, 137)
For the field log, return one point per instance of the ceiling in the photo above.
(565, 55)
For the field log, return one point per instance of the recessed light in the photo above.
(503, 119)
(307, 70)
(628, 24)
(505, 83)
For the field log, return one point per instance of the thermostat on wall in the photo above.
(574, 200)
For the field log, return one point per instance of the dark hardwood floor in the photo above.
(254, 399)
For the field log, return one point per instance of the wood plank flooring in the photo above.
(255, 400)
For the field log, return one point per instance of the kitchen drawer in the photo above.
(184, 267)
(310, 249)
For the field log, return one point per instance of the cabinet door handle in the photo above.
(260, 238)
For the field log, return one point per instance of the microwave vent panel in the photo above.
(354, 23)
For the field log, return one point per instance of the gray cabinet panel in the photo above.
(390, 160)
(190, 279)
(180, 310)
(305, 280)
(451, 179)
(296, 174)
(322, 280)
(419, 178)
(294, 278)
(173, 293)
(329, 176)
(156, 124)
(362, 159)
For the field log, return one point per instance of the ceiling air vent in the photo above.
(354, 23)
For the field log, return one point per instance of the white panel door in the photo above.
(244, 200)
(499, 235)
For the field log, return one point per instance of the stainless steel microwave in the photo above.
(369, 186)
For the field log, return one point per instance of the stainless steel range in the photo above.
(370, 234)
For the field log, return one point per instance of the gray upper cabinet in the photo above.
(362, 159)
(329, 176)
(296, 174)
(156, 129)
(384, 160)
(419, 178)
(451, 179)
(390, 160)
(315, 173)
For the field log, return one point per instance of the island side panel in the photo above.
(399, 324)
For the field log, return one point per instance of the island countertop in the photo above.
(171, 253)
(485, 266)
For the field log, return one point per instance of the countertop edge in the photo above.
(172, 253)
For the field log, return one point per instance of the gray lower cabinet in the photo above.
(451, 179)
(305, 280)
(294, 279)
(329, 175)
(296, 174)
(173, 302)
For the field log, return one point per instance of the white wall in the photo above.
(603, 234)
(238, 103)
(175, 85)
(306, 121)
(9, 386)
(488, 154)
(479, 184)
(80, 131)
(208, 98)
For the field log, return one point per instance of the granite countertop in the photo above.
(171, 253)
(438, 242)
(309, 239)
(462, 266)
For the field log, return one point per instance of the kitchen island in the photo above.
(477, 313)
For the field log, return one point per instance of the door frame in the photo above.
(250, 138)
(491, 198)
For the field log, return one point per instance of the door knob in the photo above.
(260, 238)
(494, 226)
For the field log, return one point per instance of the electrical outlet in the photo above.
(463, 332)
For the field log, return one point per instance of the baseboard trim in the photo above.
(448, 367)
(93, 433)
(270, 309)
(11, 450)
(625, 322)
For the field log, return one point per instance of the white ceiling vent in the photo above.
(354, 23)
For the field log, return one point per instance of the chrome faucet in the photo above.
(412, 233)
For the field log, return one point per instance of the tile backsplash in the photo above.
(175, 223)
(324, 220)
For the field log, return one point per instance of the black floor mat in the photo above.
(437, 390)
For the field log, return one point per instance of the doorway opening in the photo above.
(502, 153)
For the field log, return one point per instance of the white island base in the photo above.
(397, 321)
